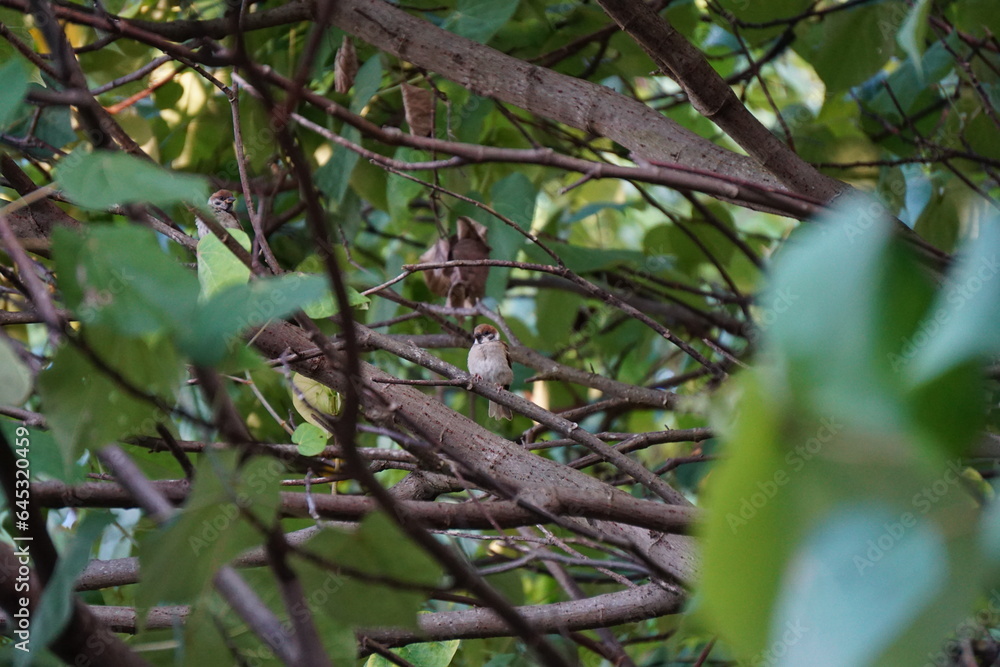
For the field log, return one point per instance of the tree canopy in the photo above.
(744, 255)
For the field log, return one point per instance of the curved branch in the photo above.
(715, 100)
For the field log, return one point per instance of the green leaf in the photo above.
(102, 179)
(425, 654)
(760, 12)
(59, 595)
(746, 536)
(859, 320)
(218, 267)
(327, 305)
(15, 78)
(479, 20)
(964, 323)
(554, 330)
(857, 580)
(211, 529)
(119, 277)
(312, 398)
(584, 260)
(205, 338)
(376, 548)
(978, 17)
(48, 459)
(910, 90)
(335, 175)
(827, 45)
(86, 408)
(402, 190)
(15, 376)
(513, 196)
(913, 32)
(311, 439)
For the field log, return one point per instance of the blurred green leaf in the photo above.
(746, 535)
(964, 323)
(842, 287)
(479, 20)
(14, 77)
(102, 179)
(827, 45)
(326, 306)
(913, 32)
(59, 595)
(857, 579)
(119, 277)
(48, 459)
(211, 529)
(87, 408)
(205, 337)
(374, 550)
(845, 487)
(15, 377)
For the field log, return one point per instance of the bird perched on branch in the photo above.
(489, 359)
(221, 206)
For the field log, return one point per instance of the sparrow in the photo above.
(221, 205)
(489, 359)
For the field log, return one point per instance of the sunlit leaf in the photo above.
(218, 267)
(311, 439)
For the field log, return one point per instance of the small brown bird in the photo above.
(489, 359)
(221, 205)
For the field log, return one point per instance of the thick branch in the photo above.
(442, 516)
(487, 454)
(599, 611)
(715, 100)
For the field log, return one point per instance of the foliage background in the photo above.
(745, 255)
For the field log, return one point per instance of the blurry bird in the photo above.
(221, 206)
(489, 360)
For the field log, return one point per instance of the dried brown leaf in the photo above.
(418, 103)
(463, 286)
(437, 279)
(345, 66)
(468, 283)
